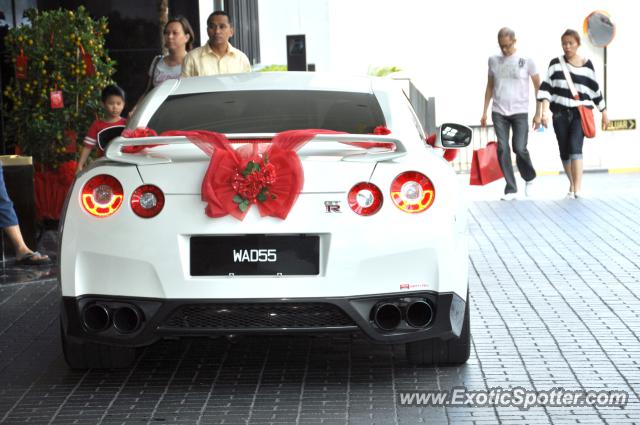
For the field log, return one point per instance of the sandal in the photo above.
(33, 259)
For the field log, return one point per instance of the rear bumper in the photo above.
(142, 321)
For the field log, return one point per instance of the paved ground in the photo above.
(555, 291)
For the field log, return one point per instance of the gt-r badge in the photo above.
(332, 206)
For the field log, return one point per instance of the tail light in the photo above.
(412, 192)
(365, 198)
(102, 195)
(147, 201)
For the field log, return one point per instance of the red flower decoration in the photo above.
(139, 132)
(253, 183)
(381, 130)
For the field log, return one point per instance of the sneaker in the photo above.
(508, 197)
(570, 195)
(527, 188)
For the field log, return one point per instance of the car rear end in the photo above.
(374, 243)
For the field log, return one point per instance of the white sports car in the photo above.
(210, 216)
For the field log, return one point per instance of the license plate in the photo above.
(253, 255)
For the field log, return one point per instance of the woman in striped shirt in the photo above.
(554, 94)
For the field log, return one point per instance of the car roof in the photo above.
(273, 81)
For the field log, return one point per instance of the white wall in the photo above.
(444, 45)
(279, 18)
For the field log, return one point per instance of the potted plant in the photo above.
(60, 67)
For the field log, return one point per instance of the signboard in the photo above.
(621, 125)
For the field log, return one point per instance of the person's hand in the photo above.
(605, 119)
(544, 120)
(483, 120)
(537, 122)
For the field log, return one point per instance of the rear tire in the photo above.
(436, 351)
(90, 355)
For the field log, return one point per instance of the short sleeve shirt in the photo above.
(96, 127)
(511, 83)
(204, 61)
(163, 72)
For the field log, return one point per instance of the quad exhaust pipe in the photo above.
(98, 318)
(388, 315)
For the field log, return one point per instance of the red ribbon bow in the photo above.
(239, 178)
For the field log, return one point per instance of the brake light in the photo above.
(102, 195)
(412, 192)
(365, 198)
(147, 201)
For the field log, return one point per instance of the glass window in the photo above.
(269, 111)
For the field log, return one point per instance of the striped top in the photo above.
(556, 90)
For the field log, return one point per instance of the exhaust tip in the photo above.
(419, 314)
(96, 317)
(387, 316)
(126, 319)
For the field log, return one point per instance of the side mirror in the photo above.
(108, 134)
(453, 136)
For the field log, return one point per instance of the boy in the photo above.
(112, 104)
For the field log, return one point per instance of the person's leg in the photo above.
(576, 175)
(561, 125)
(520, 125)
(502, 128)
(576, 140)
(9, 223)
(20, 248)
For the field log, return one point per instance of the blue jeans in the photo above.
(568, 129)
(7, 213)
(518, 124)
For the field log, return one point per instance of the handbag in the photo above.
(586, 113)
(485, 167)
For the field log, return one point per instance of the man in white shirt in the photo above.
(217, 56)
(508, 85)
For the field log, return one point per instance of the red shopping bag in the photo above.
(485, 167)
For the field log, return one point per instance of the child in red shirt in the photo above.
(113, 104)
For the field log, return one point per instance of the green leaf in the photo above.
(243, 206)
(261, 197)
(238, 199)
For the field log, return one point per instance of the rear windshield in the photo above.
(269, 111)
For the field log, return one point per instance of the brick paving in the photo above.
(555, 292)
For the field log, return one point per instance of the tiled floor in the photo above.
(555, 292)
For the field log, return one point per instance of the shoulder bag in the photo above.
(586, 113)
(153, 67)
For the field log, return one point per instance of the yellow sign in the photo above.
(621, 125)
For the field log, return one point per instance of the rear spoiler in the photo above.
(142, 156)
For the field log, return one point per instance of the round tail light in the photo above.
(147, 201)
(412, 192)
(102, 195)
(365, 198)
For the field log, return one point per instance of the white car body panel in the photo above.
(391, 253)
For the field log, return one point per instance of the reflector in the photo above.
(365, 198)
